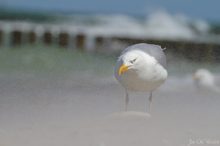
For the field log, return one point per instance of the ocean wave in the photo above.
(157, 25)
(160, 25)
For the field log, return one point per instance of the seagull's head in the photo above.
(130, 61)
(203, 76)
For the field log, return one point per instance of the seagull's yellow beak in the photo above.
(123, 68)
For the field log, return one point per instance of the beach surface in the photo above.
(87, 109)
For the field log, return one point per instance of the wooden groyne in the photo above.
(18, 34)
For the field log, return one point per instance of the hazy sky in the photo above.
(204, 9)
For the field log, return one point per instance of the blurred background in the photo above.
(56, 72)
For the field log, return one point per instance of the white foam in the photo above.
(159, 24)
(163, 25)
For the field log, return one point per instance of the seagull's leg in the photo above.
(126, 100)
(150, 101)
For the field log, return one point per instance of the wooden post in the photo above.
(99, 43)
(80, 41)
(32, 37)
(47, 38)
(16, 38)
(63, 39)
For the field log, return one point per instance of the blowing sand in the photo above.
(88, 111)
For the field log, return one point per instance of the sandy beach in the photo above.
(80, 111)
(53, 98)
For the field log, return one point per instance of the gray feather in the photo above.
(154, 50)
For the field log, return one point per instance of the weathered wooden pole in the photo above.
(80, 40)
(63, 39)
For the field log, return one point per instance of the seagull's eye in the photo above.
(132, 61)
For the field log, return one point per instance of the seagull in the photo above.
(205, 80)
(141, 68)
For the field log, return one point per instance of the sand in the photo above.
(88, 111)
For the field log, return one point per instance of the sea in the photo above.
(156, 25)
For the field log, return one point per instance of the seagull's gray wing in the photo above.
(153, 50)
